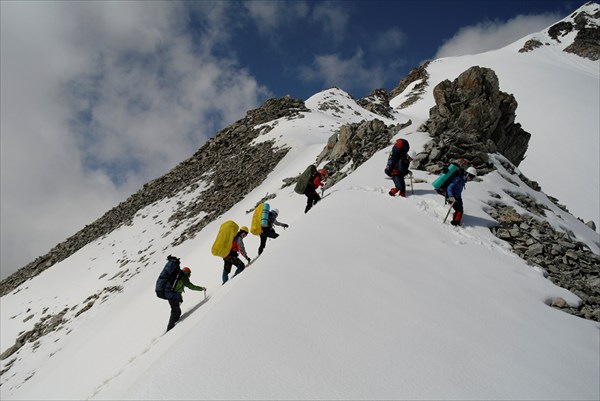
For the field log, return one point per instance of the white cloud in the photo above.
(97, 99)
(389, 40)
(352, 72)
(333, 20)
(269, 16)
(492, 35)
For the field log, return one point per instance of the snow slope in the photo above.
(365, 297)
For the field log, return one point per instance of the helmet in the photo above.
(245, 229)
(400, 143)
(412, 154)
(323, 172)
(274, 210)
(187, 270)
(472, 171)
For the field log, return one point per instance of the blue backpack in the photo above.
(167, 279)
(399, 152)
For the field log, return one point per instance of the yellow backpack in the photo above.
(225, 236)
(257, 217)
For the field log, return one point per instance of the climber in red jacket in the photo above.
(312, 197)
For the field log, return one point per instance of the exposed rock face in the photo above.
(560, 29)
(416, 74)
(419, 75)
(566, 262)
(586, 43)
(377, 102)
(221, 162)
(530, 45)
(471, 118)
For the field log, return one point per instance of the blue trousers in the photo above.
(230, 261)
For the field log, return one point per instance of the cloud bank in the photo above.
(492, 35)
(99, 98)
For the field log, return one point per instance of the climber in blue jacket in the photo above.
(454, 193)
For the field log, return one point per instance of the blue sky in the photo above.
(295, 48)
(98, 98)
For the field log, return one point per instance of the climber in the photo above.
(397, 166)
(454, 193)
(312, 197)
(183, 280)
(232, 259)
(268, 231)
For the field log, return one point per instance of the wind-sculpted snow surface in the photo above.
(406, 308)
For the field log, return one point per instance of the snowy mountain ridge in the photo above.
(366, 296)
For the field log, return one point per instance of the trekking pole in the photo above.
(411, 185)
(205, 295)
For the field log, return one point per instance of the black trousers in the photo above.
(175, 313)
(312, 197)
(458, 205)
(399, 182)
(266, 233)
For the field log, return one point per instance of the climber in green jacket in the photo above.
(179, 287)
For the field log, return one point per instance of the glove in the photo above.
(409, 173)
(284, 225)
(395, 172)
(202, 288)
(248, 259)
(451, 200)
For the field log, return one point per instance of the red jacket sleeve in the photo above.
(317, 182)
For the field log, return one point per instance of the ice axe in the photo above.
(448, 214)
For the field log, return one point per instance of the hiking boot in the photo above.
(402, 194)
(393, 192)
(456, 218)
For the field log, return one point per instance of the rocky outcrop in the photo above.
(221, 162)
(531, 45)
(586, 43)
(418, 75)
(565, 261)
(377, 102)
(470, 119)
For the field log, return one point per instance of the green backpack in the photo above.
(305, 177)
